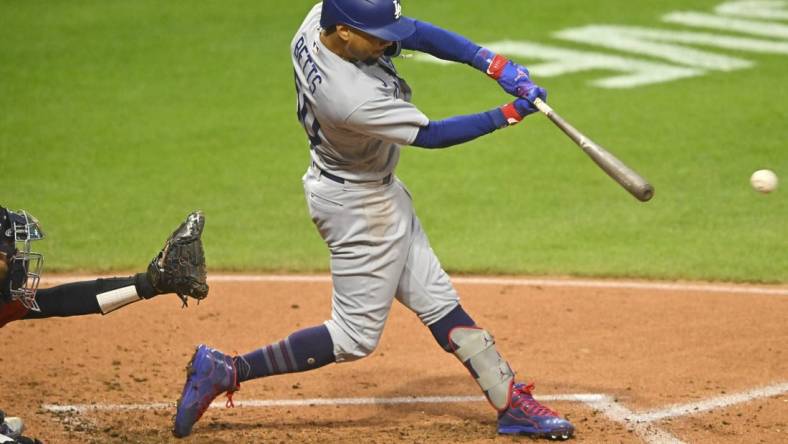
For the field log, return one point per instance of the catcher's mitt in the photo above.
(180, 265)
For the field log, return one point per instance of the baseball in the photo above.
(764, 181)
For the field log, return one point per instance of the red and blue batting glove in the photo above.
(516, 111)
(512, 76)
(531, 93)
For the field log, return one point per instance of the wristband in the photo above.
(498, 63)
(510, 114)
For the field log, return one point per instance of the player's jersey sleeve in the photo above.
(387, 118)
(11, 311)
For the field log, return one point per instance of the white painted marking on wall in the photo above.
(470, 280)
(728, 24)
(762, 9)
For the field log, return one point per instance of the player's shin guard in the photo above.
(475, 348)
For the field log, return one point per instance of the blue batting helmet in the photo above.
(380, 18)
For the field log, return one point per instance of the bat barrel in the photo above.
(618, 171)
(631, 181)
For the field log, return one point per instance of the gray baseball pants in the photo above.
(378, 252)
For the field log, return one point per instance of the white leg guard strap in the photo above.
(114, 299)
(475, 347)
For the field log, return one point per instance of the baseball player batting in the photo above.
(356, 113)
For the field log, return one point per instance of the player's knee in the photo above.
(363, 346)
(351, 346)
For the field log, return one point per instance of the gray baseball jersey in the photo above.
(356, 117)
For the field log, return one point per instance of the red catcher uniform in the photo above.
(11, 311)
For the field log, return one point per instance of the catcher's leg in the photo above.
(10, 427)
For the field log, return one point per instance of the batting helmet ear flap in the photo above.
(393, 50)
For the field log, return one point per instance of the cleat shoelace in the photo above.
(523, 399)
(235, 387)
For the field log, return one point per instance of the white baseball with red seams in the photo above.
(764, 181)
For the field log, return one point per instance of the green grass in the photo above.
(117, 118)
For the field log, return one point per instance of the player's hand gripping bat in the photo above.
(625, 176)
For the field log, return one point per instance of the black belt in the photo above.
(385, 181)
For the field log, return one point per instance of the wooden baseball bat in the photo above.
(625, 176)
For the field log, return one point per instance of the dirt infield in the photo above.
(627, 364)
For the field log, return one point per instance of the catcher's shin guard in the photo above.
(11, 426)
(475, 347)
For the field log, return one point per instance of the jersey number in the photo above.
(305, 114)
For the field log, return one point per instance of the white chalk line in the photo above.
(641, 424)
(710, 404)
(81, 408)
(500, 281)
(647, 432)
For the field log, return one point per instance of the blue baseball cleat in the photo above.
(526, 416)
(209, 373)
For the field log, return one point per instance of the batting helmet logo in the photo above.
(380, 18)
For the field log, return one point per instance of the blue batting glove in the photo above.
(532, 93)
(510, 75)
(524, 107)
(516, 111)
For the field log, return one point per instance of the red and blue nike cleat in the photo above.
(209, 374)
(526, 416)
